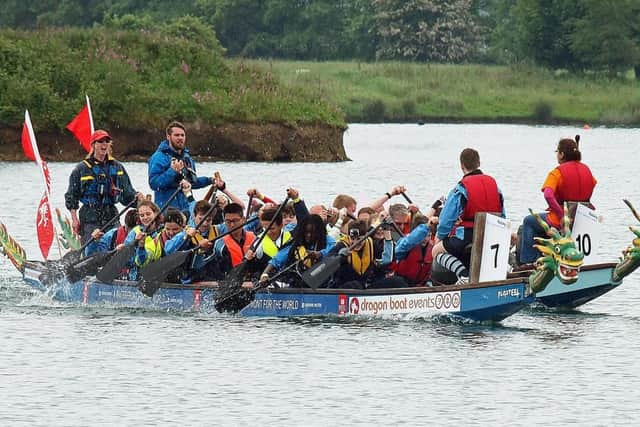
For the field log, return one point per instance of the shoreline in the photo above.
(269, 142)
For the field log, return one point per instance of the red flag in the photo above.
(27, 145)
(44, 226)
(47, 175)
(82, 126)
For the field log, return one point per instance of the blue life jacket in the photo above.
(101, 184)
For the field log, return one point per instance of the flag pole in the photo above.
(36, 152)
(90, 114)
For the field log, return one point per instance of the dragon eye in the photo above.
(557, 249)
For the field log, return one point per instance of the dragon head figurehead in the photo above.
(12, 249)
(630, 260)
(68, 239)
(560, 258)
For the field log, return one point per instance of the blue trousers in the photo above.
(530, 229)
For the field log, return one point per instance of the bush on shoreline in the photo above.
(140, 80)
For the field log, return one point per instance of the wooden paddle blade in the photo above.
(114, 266)
(71, 257)
(149, 288)
(156, 272)
(234, 299)
(88, 266)
(322, 271)
(160, 269)
(238, 273)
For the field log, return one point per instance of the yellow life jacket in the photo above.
(301, 253)
(271, 248)
(360, 262)
(152, 245)
(198, 237)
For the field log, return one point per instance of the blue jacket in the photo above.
(400, 249)
(280, 260)
(164, 181)
(104, 244)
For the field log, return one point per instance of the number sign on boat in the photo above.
(490, 252)
(586, 232)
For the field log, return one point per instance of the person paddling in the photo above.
(145, 235)
(103, 242)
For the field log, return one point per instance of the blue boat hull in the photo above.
(492, 302)
(595, 280)
(484, 302)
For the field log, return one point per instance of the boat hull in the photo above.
(595, 280)
(484, 302)
(493, 302)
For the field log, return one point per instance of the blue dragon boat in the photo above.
(558, 280)
(492, 301)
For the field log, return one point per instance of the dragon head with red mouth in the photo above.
(560, 258)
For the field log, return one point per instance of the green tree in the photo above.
(536, 30)
(237, 22)
(426, 30)
(606, 37)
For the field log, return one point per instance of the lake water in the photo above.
(70, 365)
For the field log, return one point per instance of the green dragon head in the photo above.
(12, 249)
(630, 260)
(68, 239)
(560, 258)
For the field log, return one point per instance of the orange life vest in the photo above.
(235, 250)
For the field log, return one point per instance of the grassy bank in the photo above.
(409, 92)
(140, 80)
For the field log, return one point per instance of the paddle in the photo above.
(113, 267)
(633, 210)
(249, 206)
(211, 192)
(234, 299)
(239, 270)
(406, 197)
(72, 257)
(156, 272)
(319, 273)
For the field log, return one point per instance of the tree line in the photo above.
(575, 35)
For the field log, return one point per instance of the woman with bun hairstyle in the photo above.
(570, 181)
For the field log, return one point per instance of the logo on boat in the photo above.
(354, 306)
(396, 304)
(513, 292)
(342, 304)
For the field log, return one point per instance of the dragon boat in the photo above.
(559, 263)
(559, 280)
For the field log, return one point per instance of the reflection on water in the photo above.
(66, 364)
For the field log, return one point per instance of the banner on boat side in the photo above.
(441, 302)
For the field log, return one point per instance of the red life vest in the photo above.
(577, 183)
(121, 234)
(416, 267)
(482, 196)
(235, 250)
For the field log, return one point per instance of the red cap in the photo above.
(99, 134)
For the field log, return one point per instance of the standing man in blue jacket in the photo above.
(171, 164)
